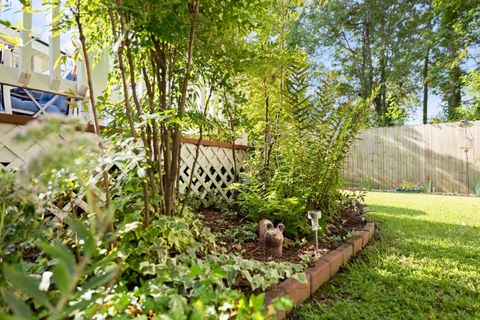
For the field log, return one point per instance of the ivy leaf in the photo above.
(300, 277)
(147, 267)
(178, 305)
(141, 173)
(231, 275)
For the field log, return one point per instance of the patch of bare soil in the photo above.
(223, 224)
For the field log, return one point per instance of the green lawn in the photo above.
(424, 263)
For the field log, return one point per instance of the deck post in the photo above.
(25, 61)
(7, 60)
(54, 50)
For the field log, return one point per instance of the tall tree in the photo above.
(455, 36)
(372, 44)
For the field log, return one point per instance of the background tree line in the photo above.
(409, 49)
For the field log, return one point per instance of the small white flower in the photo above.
(87, 295)
(464, 223)
(45, 282)
(81, 241)
(103, 251)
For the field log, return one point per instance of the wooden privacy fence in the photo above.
(214, 171)
(447, 155)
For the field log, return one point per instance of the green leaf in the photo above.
(89, 244)
(300, 277)
(19, 308)
(82, 305)
(147, 267)
(61, 277)
(60, 60)
(283, 303)
(178, 305)
(59, 251)
(26, 284)
(97, 281)
(6, 23)
(12, 40)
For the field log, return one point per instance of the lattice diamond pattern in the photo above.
(214, 171)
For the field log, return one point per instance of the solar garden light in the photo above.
(314, 216)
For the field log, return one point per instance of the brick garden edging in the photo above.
(326, 267)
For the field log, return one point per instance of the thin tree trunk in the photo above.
(231, 121)
(425, 86)
(267, 135)
(146, 138)
(197, 153)
(146, 197)
(106, 183)
(177, 134)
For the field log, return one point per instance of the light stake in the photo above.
(314, 216)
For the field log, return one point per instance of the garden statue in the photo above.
(271, 238)
(262, 228)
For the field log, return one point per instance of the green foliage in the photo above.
(19, 222)
(170, 268)
(408, 186)
(407, 48)
(315, 135)
(427, 186)
(477, 189)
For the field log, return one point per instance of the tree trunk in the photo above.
(267, 134)
(367, 67)
(425, 86)
(106, 184)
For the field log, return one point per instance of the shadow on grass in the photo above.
(434, 240)
(415, 269)
(396, 210)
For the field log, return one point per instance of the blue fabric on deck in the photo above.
(31, 106)
(60, 105)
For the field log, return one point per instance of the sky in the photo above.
(11, 11)
(41, 20)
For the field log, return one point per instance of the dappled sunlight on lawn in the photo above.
(423, 264)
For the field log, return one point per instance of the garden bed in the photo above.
(239, 235)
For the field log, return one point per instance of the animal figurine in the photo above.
(263, 225)
(271, 238)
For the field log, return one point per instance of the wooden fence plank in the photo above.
(448, 155)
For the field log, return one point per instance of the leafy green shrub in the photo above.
(408, 186)
(20, 221)
(315, 136)
(84, 268)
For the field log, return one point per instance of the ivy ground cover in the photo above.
(423, 264)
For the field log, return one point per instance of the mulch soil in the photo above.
(219, 221)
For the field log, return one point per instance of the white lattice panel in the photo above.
(214, 170)
(13, 155)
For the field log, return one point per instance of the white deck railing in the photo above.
(23, 61)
